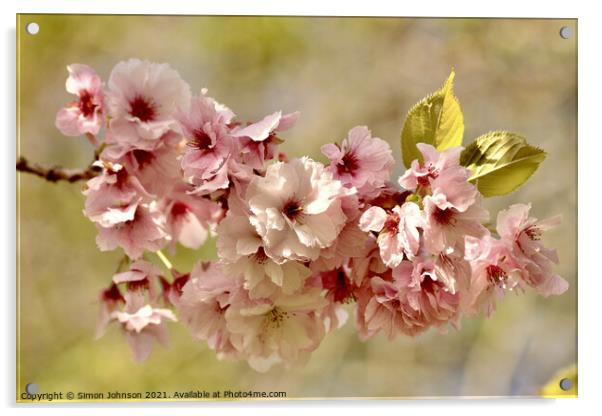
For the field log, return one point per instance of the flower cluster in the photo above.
(298, 241)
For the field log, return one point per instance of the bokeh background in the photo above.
(514, 74)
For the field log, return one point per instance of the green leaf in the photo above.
(500, 162)
(436, 120)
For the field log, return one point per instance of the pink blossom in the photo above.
(430, 292)
(368, 264)
(349, 243)
(379, 308)
(338, 284)
(205, 298)
(110, 299)
(139, 280)
(118, 204)
(205, 122)
(189, 219)
(143, 232)
(447, 226)
(398, 231)
(228, 174)
(361, 161)
(206, 125)
(284, 329)
(86, 115)
(259, 141)
(339, 290)
(142, 275)
(521, 234)
(172, 291)
(334, 316)
(241, 250)
(143, 325)
(210, 147)
(494, 271)
(452, 270)
(423, 172)
(157, 170)
(441, 174)
(389, 196)
(298, 243)
(417, 296)
(296, 209)
(142, 98)
(113, 197)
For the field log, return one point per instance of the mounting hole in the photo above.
(566, 384)
(565, 32)
(31, 388)
(32, 28)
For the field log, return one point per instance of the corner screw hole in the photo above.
(32, 28)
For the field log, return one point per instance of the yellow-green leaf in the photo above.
(500, 162)
(437, 120)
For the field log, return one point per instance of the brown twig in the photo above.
(55, 174)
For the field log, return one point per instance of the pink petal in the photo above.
(373, 219)
(261, 130)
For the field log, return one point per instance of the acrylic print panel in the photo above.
(322, 236)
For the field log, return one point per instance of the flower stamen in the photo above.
(142, 109)
(292, 209)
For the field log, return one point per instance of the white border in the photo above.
(590, 147)
(458, 8)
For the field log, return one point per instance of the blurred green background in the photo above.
(518, 75)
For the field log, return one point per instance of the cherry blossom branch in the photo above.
(55, 174)
(296, 240)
